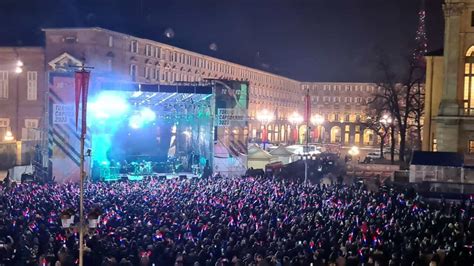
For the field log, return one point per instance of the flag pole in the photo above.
(82, 86)
(81, 201)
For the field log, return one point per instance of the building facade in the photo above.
(22, 93)
(128, 58)
(343, 109)
(449, 123)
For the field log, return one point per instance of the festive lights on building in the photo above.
(421, 38)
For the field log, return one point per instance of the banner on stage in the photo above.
(62, 113)
(226, 115)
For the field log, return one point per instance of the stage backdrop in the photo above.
(63, 137)
(231, 127)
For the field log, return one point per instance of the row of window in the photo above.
(157, 74)
(28, 132)
(31, 87)
(29, 122)
(198, 62)
(337, 99)
(345, 88)
(154, 74)
(336, 117)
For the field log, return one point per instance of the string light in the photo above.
(421, 37)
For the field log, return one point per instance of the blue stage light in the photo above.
(136, 121)
(108, 105)
(147, 114)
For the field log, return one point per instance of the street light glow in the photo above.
(265, 116)
(354, 151)
(8, 136)
(18, 69)
(317, 120)
(386, 120)
(295, 118)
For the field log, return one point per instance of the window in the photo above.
(4, 84)
(157, 74)
(32, 86)
(472, 18)
(4, 122)
(134, 46)
(133, 71)
(30, 132)
(148, 50)
(435, 144)
(157, 52)
(471, 146)
(111, 41)
(31, 123)
(146, 73)
(468, 95)
(347, 117)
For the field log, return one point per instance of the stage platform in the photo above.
(133, 177)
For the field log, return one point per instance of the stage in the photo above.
(131, 177)
(152, 129)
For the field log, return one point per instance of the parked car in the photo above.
(373, 155)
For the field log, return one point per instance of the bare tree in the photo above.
(417, 112)
(398, 91)
(377, 112)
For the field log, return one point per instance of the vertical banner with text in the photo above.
(231, 127)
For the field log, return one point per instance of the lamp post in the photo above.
(295, 119)
(318, 120)
(265, 117)
(387, 123)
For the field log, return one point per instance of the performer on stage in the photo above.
(207, 172)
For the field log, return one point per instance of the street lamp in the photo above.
(265, 117)
(318, 120)
(387, 123)
(386, 120)
(295, 119)
(354, 151)
(8, 136)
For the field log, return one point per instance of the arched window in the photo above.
(468, 95)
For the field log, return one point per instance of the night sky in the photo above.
(308, 40)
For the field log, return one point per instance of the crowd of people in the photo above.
(233, 221)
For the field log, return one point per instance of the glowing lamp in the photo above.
(295, 118)
(265, 117)
(147, 114)
(317, 119)
(8, 136)
(135, 122)
(354, 151)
